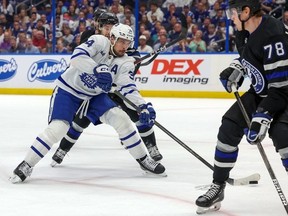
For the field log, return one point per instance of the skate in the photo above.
(150, 166)
(58, 157)
(22, 171)
(211, 200)
(154, 153)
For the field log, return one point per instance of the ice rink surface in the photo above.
(100, 178)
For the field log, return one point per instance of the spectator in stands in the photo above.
(219, 16)
(156, 11)
(197, 44)
(169, 27)
(205, 25)
(46, 23)
(144, 21)
(200, 13)
(143, 47)
(175, 33)
(4, 22)
(149, 40)
(181, 47)
(114, 9)
(35, 10)
(5, 45)
(48, 14)
(7, 8)
(40, 27)
(170, 13)
(163, 40)
(21, 41)
(39, 40)
(30, 48)
(155, 31)
(212, 39)
(13, 43)
(16, 28)
(142, 10)
(118, 5)
(24, 18)
(67, 36)
(162, 31)
(216, 6)
(60, 49)
(187, 12)
(128, 15)
(72, 12)
(32, 23)
(101, 5)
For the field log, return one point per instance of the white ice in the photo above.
(100, 178)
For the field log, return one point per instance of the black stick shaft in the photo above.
(229, 180)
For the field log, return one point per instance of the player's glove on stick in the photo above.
(259, 126)
(233, 75)
(147, 115)
(104, 78)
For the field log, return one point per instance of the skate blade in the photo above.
(204, 210)
(151, 174)
(15, 179)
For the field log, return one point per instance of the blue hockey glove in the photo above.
(234, 74)
(259, 126)
(104, 78)
(147, 115)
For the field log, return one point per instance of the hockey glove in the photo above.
(233, 75)
(259, 126)
(147, 115)
(104, 78)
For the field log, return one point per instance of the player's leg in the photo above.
(129, 137)
(147, 133)
(61, 114)
(71, 137)
(279, 134)
(229, 136)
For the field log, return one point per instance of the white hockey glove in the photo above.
(259, 126)
(233, 75)
(104, 78)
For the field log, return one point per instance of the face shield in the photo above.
(232, 12)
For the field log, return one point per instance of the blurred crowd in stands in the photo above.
(28, 26)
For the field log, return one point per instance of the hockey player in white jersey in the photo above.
(83, 88)
(105, 22)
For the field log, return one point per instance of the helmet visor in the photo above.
(232, 12)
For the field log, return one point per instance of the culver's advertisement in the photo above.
(31, 71)
(168, 72)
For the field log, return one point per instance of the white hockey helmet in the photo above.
(120, 30)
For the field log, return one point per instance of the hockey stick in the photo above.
(155, 53)
(252, 179)
(262, 153)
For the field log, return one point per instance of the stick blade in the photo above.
(252, 179)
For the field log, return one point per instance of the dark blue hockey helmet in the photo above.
(239, 5)
(107, 19)
(97, 13)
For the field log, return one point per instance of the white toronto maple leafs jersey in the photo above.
(80, 80)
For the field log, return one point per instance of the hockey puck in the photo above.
(253, 182)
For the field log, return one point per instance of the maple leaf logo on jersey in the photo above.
(89, 80)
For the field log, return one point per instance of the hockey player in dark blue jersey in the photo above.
(105, 21)
(262, 43)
